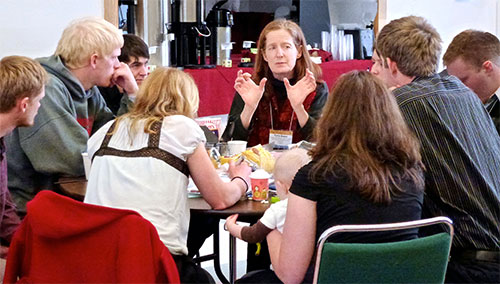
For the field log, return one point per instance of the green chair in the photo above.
(422, 260)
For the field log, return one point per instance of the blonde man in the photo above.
(22, 83)
(474, 58)
(462, 158)
(86, 57)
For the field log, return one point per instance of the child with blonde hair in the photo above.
(285, 169)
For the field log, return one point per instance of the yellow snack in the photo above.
(261, 157)
(226, 159)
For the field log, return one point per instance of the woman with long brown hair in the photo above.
(365, 169)
(285, 94)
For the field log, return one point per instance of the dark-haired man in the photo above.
(135, 54)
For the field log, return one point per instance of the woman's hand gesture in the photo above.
(250, 92)
(298, 92)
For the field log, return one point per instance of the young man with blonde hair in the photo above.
(22, 83)
(474, 58)
(462, 158)
(86, 57)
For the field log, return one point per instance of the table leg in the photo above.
(217, 268)
(232, 259)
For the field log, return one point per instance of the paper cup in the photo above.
(86, 164)
(259, 180)
(236, 146)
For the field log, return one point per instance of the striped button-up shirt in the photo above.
(461, 152)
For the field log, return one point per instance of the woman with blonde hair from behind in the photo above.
(143, 160)
(365, 169)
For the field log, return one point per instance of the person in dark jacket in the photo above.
(283, 98)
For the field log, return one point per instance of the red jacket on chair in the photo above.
(63, 240)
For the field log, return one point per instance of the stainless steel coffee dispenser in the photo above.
(220, 21)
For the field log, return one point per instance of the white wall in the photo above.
(449, 17)
(33, 27)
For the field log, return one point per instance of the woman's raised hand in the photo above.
(250, 92)
(298, 92)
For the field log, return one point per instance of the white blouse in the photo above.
(147, 185)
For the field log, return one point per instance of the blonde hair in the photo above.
(289, 163)
(19, 77)
(166, 91)
(362, 133)
(412, 43)
(87, 36)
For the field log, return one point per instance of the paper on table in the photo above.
(193, 190)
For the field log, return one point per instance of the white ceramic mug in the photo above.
(236, 147)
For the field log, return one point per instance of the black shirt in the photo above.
(336, 204)
(112, 96)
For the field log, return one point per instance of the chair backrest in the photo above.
(66, 241)
(421, 260)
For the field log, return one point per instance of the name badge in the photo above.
(280, 138)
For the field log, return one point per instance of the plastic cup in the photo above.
(86, 164)
(236, 146)
(259, 180)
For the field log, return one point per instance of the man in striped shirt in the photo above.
(460, 148)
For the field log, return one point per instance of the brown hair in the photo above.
(412, 43)
(19, 77)
(474, 47)
(363, 134)
(133, 47)
(262, 69)
(166, 91)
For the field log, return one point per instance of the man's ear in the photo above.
(22, 104)
(393, 67)
(488, 67)
(93, 60)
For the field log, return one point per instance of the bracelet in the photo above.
(246, 184)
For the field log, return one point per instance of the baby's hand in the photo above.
(232, 227)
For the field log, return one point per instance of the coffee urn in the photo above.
(219, 22)
(191, 34)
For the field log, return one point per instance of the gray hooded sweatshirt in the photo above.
(38, 155)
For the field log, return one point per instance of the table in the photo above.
(217, 91)
(248, 210)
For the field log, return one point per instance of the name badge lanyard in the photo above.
(280, 138)
(272, 123)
